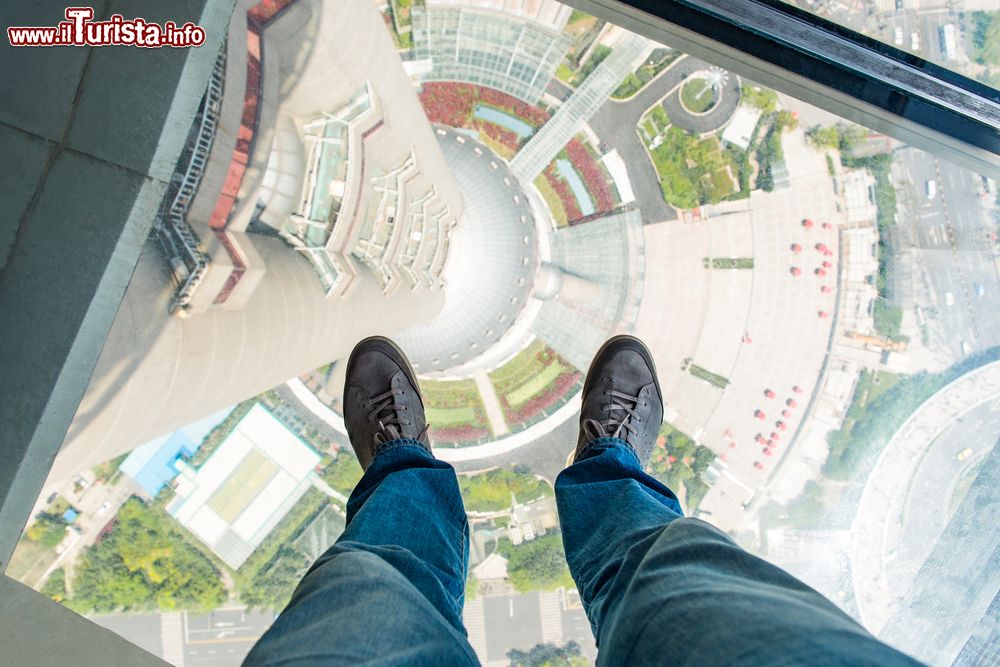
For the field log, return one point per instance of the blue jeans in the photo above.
(658, 588)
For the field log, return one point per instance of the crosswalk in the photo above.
(172, 636)
(474, 616)
(550, 605)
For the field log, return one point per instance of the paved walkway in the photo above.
(542, 148)
(494, 411)
(320, 484)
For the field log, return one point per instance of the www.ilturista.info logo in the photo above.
(80, 30)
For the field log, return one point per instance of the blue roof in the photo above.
(152, 465)
(70, 515)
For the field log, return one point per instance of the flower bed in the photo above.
(454, 104)
(594, 179)
(536, 405)
(520, 374)
(463, 434)
(501, 141)
(455, 411)
(561, 188)
(592, 173)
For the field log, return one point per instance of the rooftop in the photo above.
(245, 487)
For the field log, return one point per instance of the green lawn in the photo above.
(708, 376)
(450, 416)
(692, 171)
(727, 262)
(451, 403)
(491, 491)
(519, 370)
(534, 385)
(698, 96)
(29, 560)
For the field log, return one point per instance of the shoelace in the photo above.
(613, 425)
(390, 427)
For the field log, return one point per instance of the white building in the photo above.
(245, 487)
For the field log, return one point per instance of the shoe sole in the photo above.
(623, 342)
(398, 356)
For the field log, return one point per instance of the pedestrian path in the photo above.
(542, 148)
(320, 483)
(550, 605)
(494, 411)
(474, 617)
(172, 637)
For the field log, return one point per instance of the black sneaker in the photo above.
(381, 399)
(621, 397)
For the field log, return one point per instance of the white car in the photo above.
(914, 41)
(898, 36)
(949, 299)
(103, 509)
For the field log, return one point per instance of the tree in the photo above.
(491, 491)
(986, 38)
(764, 99)
(824, 137)
(273, 585)
(145, 562)
(536, 565)
(343, 473)
(48, 530)
(548, 655)
(55, 585)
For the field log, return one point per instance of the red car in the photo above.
(757, 465)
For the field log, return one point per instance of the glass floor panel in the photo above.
(822, 303)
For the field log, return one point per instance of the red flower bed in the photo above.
(461, 433)
(448, 103)
(563, 192)
(536, 404)
(453, 104)
(593, 176)
(531, 114)
(498, 134)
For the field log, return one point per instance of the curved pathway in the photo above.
(615, 123)
(719, 115)
(891, 480)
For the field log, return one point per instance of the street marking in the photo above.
(172, 637)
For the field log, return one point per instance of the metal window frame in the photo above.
(829, 66)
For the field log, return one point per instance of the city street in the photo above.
(931, 499)
(946, 253)
(221, 638)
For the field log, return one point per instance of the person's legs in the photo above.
(660, 588)
(390, 591)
